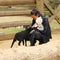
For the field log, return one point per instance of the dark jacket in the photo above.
(47, 30)
(46, 34)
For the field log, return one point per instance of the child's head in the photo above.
(35, 13)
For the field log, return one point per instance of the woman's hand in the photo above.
(32, 31)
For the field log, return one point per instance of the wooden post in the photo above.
(40, 5)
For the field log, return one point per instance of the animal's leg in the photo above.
(13, 42)
(25, 43)
(19, 43)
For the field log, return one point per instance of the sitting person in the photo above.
(38, 21)
(38, 28)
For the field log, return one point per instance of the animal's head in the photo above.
(28, 29)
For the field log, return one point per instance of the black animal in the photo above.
(21, 37)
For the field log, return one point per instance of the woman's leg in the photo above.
(36, 35)
(32, 39)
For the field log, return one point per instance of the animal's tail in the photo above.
(13, 42)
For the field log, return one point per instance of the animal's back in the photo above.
(20, 35)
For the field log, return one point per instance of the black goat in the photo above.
(21, 36)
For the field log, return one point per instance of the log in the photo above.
(49, 51)
(14, 24)
(11, 24)
(49, 7)
(15, 2)
(6, 36)
(55, 1)
(57, 19)
(56, 16)
(53, 12)
(15, 13)
(40, 6)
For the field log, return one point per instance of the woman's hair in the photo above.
(36, 13)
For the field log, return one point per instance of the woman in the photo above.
(38, 20)
(37, 27)
(40, 28)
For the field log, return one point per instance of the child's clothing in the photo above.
(38, 24)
